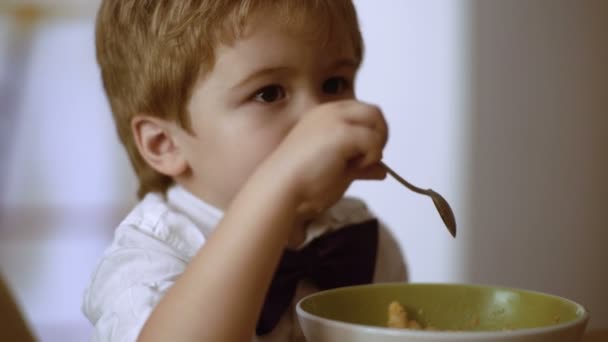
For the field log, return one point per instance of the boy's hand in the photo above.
(332, 145)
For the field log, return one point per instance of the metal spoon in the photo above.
(440, 203)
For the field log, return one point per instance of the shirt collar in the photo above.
(204, 215)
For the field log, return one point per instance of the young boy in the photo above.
(241, 123)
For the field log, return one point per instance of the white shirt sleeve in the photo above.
(131, 279)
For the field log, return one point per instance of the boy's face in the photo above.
(259, 88)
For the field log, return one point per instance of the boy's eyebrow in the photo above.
(258, 74)
(345, 62)
(340, 63)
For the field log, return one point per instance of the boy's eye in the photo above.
(335, 85)
(270, 94)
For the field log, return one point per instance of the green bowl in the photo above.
(461, 313)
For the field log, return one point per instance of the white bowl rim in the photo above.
(459, 335)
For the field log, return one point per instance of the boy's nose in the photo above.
(311, 101)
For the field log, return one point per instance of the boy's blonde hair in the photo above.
(152, 52)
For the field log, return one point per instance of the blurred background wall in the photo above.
(539, 146)
(501, 106)
(64, 179)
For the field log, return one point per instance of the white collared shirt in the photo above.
(157, 240)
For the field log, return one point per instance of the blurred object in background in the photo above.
(14, 326)
(17, 27)
(57, 9)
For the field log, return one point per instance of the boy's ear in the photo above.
(157, 144)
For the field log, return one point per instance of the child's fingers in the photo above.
(359, 113)
(375, 171)
(362, 146)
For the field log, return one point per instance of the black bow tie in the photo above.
(341, 258)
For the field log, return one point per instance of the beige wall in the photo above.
(539, 170)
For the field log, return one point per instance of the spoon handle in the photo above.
(403, 181)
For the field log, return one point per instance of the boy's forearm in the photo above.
(219, 296)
